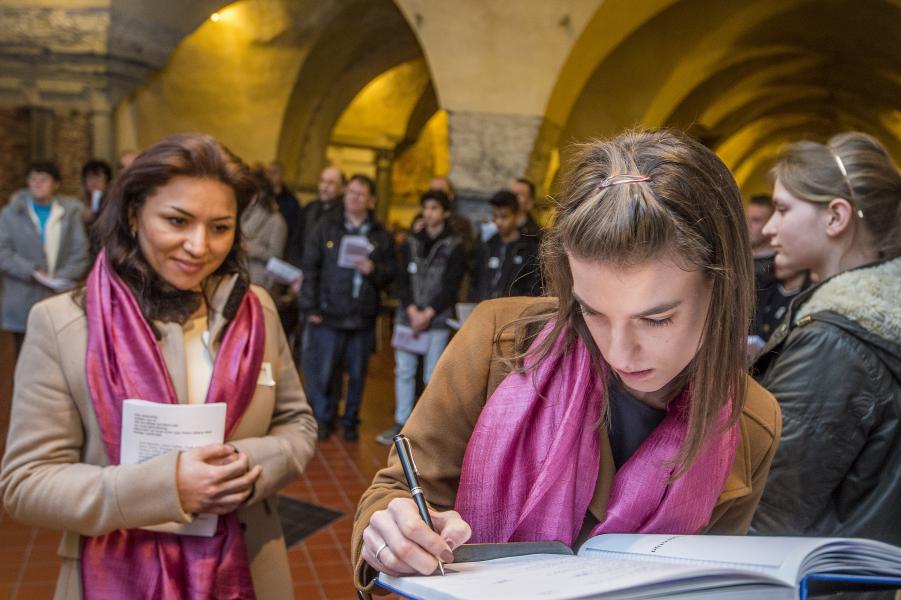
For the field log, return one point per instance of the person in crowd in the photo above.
(290, 210)
(43, 247)
(507, 264)
(621, 405)
(95, 179)
(286, 294)
(525, 194)
(342, 302)
(264, 233)
(331, 189)
(431, 270)
(774, 299)
(834, 364)
(167, 315)
(329, 200)
(758, 211)
(459, 225)
(126, 157)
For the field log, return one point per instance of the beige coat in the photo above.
(464, 379)
(55, 472)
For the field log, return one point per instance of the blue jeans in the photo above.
(327, 352)
(405, 373)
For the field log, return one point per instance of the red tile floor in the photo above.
(335, 478)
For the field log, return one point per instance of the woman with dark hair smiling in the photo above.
(167, 315)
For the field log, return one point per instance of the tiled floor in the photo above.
(335, 478)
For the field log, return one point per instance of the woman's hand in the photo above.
(214, 479)
(398, 542)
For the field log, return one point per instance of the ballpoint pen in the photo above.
(405, 454)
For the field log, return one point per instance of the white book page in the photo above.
(352, 249)
(403, 339)
(283, 271)
(555, 577)
(57, 284)
(780, 557)
(150, 429)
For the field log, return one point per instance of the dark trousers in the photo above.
(328, 351)
(19, 339)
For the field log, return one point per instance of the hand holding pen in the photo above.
(405, 455)
(406, 538)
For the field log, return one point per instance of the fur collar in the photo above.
(870, 296)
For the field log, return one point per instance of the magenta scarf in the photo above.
(124, 361)
(531, 465)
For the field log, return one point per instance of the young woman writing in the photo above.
(620, 405)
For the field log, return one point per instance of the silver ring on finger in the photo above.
(379, 551)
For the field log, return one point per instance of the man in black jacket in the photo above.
(340, 300)
(506, 264)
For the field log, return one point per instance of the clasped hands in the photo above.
(420, 319)
(398, 542)
(214, 479)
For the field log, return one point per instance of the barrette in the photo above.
(841, 167)
(624, 178)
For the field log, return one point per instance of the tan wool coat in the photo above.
(55, 472)
(464, 379)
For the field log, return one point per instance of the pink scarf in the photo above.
(125, 361)
(531, 465)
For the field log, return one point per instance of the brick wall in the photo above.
(70, 148)
(14, 133)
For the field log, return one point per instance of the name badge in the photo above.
(494, 262)
(265, 377)
(411, 268)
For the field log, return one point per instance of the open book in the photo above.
(635, 566)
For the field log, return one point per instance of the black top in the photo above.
(838, 383)
(443, 296)
(330, 291)
(772, 303)
(631, 422)
(293, 214)
(509, 269)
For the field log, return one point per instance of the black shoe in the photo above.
(350, 434)
(325, 432)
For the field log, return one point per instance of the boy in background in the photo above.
(507, 263)
(432, 265)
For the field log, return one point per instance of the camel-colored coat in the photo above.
(464, 379)
(55, 471)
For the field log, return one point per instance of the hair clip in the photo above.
(841, 167)
(624, 178)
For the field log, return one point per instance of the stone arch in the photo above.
(745, 77)
(362, 41)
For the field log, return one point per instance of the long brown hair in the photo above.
(188, 154)
(871, 182)
(690, 210)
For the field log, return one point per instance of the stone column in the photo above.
(102, 128)
(383, 162)
(488, 150)
(40, 134)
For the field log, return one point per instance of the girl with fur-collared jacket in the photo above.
(834, 364)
